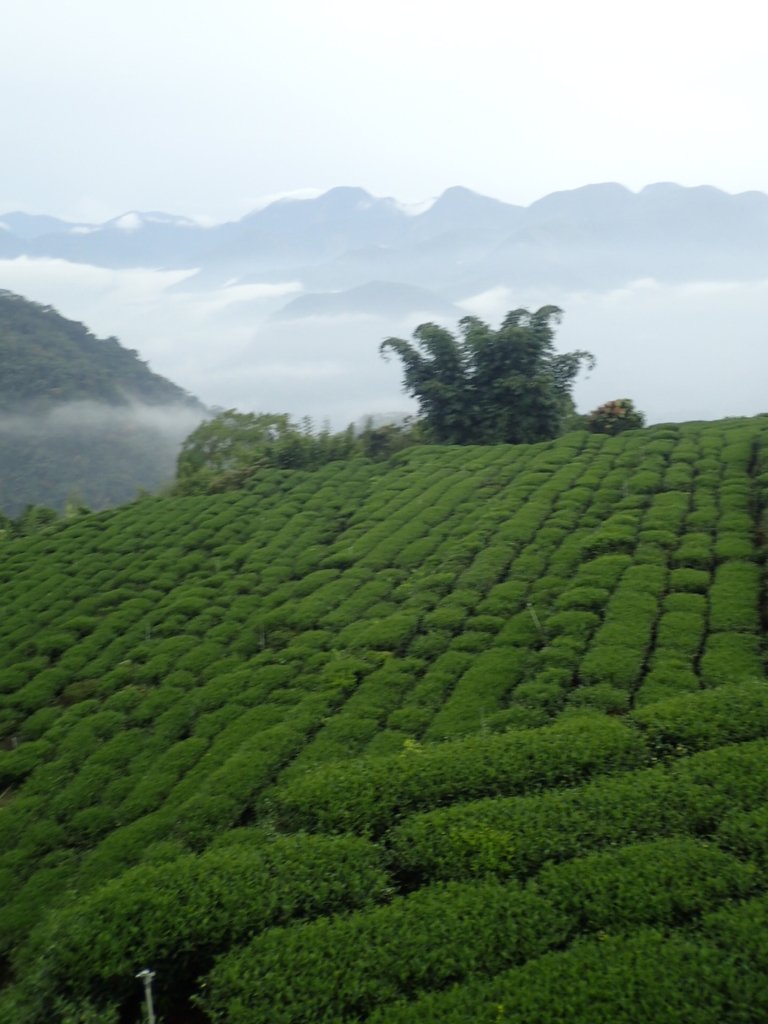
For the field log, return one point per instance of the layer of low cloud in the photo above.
(173, 422)
(683, 351)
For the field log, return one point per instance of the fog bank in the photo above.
(680, 351)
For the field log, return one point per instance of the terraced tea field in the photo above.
(478, 734)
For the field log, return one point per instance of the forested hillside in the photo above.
(474, 734)
(82, 416)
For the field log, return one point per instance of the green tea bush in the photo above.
(392, 633)
(487, 568)
(670, 676)
(228, 732)
(739, 773)
(429, 645)
(540, 694)
(603, 571)
(18, 763)
(84, 790)
(574, 498)
(38, 723)
(521, 630)
(689, 603)
(568, 557)
(649, 976)
(618, 666)
(529, 565)
(577, 624)
(15, 676)
(514, 717)
(447, 618)
(611, 700)
(662, 881)
(489, 624)
(504, 599)
(729, 546)
(174, 915)
(40, 691)
(607, 541)
(514, 836)
(730, 657)
(583, 599)
(369, 795)
(490, 677)
(702, 519)
(626, 633)
(739, 932)
(563, 653)
(734, 598)
(644, 481)
(156, 783)
(650, 554)
(662, 538)
(646, 580)
(698, 721)
(545, 590)
(387, 741)
(680, 632)
(695, 551)
(345, 967)
(471, 640)
(745, 833)
(410, 719)
(678, 477)
(667, 511)
(739, 523)
(462, 597)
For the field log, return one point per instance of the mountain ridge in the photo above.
(81, 416)
(348, 216)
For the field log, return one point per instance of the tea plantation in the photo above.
(475, 734)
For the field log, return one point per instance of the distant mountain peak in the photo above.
(29, 226)
(661, 188)
(133, 220)
(459, 197)
(346, 196)
(460, 191)
(596, 192)
(346, 235)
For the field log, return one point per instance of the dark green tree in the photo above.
(224, 452)
(490, 386)
(615, 417)
(236, 444)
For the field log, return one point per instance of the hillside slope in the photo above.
(81, 415)
(479, 734)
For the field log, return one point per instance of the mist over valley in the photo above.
(284, 309)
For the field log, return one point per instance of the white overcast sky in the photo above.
(204, 107)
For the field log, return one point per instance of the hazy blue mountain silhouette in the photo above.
(596, 236)
(377, 298)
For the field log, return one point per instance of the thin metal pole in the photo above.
(147, 977)
(534, 616)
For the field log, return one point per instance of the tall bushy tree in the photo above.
(224, 452)
(233, 441)
(615, 417)
(488, 386)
